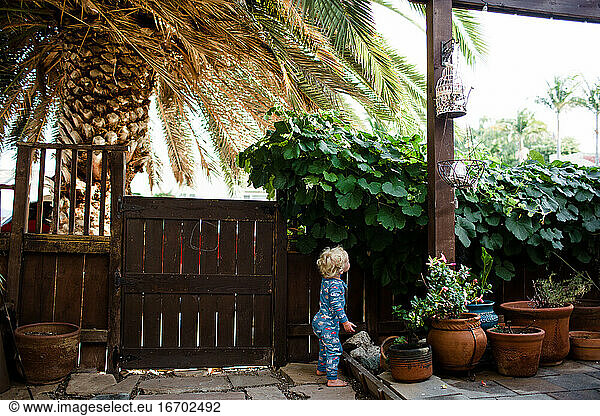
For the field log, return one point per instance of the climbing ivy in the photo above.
(368, 193)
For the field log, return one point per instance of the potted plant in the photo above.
(549, 309)
(410, 358)
(477, 288)
(516, 349)
(456, 337)
(585, 345)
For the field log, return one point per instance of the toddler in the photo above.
(332, 263)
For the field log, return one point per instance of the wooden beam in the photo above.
(280, 286)
(577, 10)
(57, 243)
(440, 136)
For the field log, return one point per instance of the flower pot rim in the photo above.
(465, 316)
(525, 305)
(21, 330)
(540, 332)
(484, 303)
(578, 335)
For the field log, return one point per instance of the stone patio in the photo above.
(573, 380)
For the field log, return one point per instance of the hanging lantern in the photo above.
(450, 98)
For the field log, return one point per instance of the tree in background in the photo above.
(591, 101)
(560, 95)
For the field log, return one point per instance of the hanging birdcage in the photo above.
(450, 98)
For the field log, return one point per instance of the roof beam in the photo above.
(577, 10)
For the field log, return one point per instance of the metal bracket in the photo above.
(447, 50)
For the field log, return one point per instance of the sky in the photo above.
(524, 54)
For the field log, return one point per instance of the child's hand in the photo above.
(349, 326)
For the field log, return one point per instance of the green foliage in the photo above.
(550, 293)
(524, 213)
(348, 187)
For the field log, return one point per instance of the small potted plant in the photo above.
(410, 358)
(516, 349)
(549, 309)
(477, 288)
(456, 337)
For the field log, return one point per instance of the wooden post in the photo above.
(280, 299)
(19, 223)
(440, 135)
(117, 189)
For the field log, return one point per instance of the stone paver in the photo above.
(125, 386)
(265, 393)
(575, 381)
(547, 371)
(595, 364)
(19, 392)
(530, 385)
(322, 392)
(434, 387)
(250, 380)
(577, 395)
(476, 390)
(301, 373)
(453, 397)
(527, 397)
(226, 395)
(174, 385)
(88, 384)
(570, 367)
(594, 374)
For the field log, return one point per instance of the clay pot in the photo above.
(555, 321)
(585, 345)
(457, 344)
(408, 363)
(517, 355)
(48, 350)
(585, 316)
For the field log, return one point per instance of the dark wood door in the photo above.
(198, 282)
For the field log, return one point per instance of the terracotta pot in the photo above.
(585, 345)
(48, 350)
(457, 344)
(585, 316)
(408, 363)
(555, 321)
(517, 355)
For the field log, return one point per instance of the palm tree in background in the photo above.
(560, 95)
(524, 127)
(591, 101)
(94, 67)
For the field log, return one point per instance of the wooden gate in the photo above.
(201, 283)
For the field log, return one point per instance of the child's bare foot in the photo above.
(321, 373)
(336, 383)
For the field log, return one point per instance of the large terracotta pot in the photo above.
(555, 321)
(457, 344)
(585, 316)
(516, 354)
(408, 363)
(585, 345)
(48, 350)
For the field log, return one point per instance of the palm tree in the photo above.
(591, 101)
(559, 96)
(94, 67)
(523, 127)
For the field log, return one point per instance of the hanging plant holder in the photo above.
(450, 98)
(461, 173)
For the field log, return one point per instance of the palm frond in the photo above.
(467, 31)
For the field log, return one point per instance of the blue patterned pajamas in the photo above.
(326, 325)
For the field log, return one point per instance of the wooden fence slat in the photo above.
(190, 246)
(95, 291)
(37, 299)
(56, 196)
(225, 309)
(298, 311)
(172, 246)
(355, 294)
(208, 308)
(170, 320)
(262, 321)
(73, 190)
(134, 254)
(132, 320)
(153, 244)
(151, 331)
(103, 177)
(227, 246)
(88, 193)
(93, 356)
(245, 247)
(209, 247)
(244, 313)
(40, 195)
(189, 320)
(68, 288)
(264, 247)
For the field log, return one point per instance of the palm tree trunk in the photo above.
(558, 150)
(597, 116)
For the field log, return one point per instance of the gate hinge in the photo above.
(118, 279)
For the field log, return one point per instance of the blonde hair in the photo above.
(331, 262)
